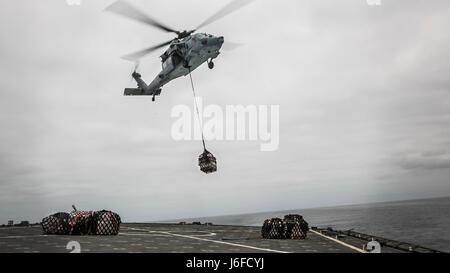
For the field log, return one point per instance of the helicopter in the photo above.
(185, 53)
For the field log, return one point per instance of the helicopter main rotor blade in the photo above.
(124, 9)
(138, 55)
(230, 8)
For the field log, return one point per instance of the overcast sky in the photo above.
(363, 94)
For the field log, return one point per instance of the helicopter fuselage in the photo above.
(182, 57)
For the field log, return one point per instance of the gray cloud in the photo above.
(427, 160)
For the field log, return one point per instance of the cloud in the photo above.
(429, 160)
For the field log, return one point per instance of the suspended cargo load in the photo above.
(207, 162)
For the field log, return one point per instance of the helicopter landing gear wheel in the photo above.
(211, 64)
(153, 98)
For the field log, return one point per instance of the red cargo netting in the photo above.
(58, 223)
(82, 223)
(106, 223)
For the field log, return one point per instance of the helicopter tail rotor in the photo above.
(136, 66)
(135, 70)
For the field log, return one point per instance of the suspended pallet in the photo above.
(207, 162)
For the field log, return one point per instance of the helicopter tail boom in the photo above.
(143, 89)
(141, 92)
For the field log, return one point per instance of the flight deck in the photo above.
(177, 238)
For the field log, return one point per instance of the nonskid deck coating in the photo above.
(167, 238)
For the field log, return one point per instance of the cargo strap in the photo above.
(196, 107)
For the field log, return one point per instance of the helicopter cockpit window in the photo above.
(168, 63)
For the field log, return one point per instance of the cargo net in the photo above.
(106, 223)
(207, 162)
(291, 227)
(58, 224)
(82, 223)
(295, 227)
(273, 229)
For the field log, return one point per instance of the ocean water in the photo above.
(424, 222)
